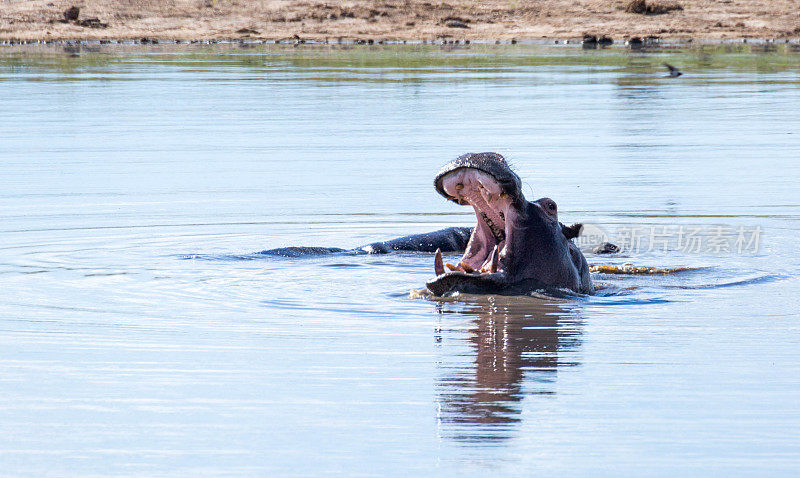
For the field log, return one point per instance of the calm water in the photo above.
(142, 334)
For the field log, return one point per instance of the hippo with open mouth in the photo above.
(517, 245)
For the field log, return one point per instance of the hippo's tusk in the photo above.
(495, 261)
(438, 265)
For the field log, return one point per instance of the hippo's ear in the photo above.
(573, 231)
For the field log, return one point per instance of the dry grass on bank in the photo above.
(397, 19)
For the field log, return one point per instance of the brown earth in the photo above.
(396, 19)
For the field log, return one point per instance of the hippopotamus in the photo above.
(517, 246)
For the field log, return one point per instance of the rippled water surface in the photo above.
(142, 334)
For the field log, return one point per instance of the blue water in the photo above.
(141, 334)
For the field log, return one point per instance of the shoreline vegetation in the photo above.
(364, 21)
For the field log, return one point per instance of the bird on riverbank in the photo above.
(673, 72)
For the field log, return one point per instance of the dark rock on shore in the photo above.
(71, 14)
(92, 23)
(653, 8)
(457, 24)
(591, 41)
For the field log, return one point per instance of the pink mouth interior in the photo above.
(492, 208)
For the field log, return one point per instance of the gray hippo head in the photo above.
(517, 246)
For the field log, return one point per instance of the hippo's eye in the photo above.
(548, 206)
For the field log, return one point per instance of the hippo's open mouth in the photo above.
(492, 189)
(517, 246)
(491, 205)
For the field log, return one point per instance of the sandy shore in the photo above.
(394, 19)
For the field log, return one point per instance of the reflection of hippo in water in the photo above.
(516, 246)
(517, 346)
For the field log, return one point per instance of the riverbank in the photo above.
(395, 20)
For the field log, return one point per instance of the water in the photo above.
(143, 335)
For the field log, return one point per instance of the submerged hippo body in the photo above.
(517, 246)
(451, 239)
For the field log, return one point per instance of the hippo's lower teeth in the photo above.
(438, 265)
(494, 259)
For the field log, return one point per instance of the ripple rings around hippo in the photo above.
(516, 247)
